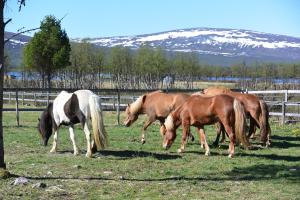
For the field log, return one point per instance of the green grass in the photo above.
(129, 170)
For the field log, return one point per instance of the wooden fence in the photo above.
(282, 103)
(284, 99)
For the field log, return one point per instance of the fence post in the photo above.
(114, 103)
(283, 113)
(17, 108)
(286, 95)
(9, 96)
(23, 98)
(118, 107)
(34, 96)
(48, 98)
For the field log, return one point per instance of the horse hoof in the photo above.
(230, 156)
(179, 151)
(53, 151)
(207, 153)
(88, 155)
(94, 149)
(202, 146)
(143, 141)
(76, 153)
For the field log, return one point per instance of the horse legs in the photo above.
(72, 136)
(252, 128)
(162, 129)
(55, 141)
(146, 124)
(231, 136)
(185, 133)
(191, 137)
(219, 127)
(203, 139)
(88, 140)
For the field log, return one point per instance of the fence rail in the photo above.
(116, 100)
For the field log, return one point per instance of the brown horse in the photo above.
(156, 105)
(256, 110)
(199, 111)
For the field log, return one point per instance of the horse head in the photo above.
(45, 124)
(170, 134)
(133, 110)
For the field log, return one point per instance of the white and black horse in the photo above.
(72, 108)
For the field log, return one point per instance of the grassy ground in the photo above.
(129, 170)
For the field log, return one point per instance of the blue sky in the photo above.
(99, 18)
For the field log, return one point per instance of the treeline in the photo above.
(147, 68)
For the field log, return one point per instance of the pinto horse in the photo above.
(256, 110)
(72, 108)
(156, 105)
(199, 111)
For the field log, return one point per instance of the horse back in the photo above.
(161, 104)
(206, 110)
(71, 108)
(249, 101)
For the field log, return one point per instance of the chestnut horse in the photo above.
(199, 111)
(256, 110)
(156, 105)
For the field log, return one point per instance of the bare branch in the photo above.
(63, 17)
(21, 3)
(20, 29)
(15, 35)
(5, 23)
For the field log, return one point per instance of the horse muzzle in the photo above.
(127, 123)
(166, 146)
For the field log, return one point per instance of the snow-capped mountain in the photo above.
(215, 42)
(214, 45)
(14, 47)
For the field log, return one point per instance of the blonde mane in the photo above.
(136, 106)
(169, 123)
(218, 89)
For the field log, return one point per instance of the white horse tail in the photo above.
(100, 135)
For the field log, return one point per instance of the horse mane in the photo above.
(224, 90)
(197, 93)
(156, 91)
(169, 123)
(45, 122)
(136, 106)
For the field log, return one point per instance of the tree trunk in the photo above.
(2, 2)
(49, 87)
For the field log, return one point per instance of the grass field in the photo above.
(129, 170)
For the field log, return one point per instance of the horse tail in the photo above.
(240, 123)
(100, 135)
(265, 130)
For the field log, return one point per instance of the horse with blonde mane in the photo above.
(256, 110)
(156, 105)
(199, 111)
(69, 109)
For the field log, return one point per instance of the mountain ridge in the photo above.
(217, 46)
